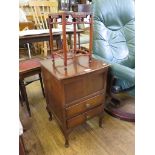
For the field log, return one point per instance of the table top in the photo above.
(80, 66)
(43, 32)
(41, 35)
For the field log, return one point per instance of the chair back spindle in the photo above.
(63, 19)
(40, 11)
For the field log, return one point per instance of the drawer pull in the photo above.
(87, 105)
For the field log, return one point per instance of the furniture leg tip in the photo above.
(66, 145)
(50, 119)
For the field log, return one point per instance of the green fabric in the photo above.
(114, 37)
(84, 39)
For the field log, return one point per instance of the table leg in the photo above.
(21, 98)
(29, 51)
(45, 49)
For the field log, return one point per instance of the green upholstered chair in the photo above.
(114, 43)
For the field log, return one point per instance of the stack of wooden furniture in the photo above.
(75, 91)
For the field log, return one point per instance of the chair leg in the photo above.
(23, 90)
(41, 82)
(20, 92)
(21, 98)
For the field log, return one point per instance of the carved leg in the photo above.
(50, 114)
(41, 82)
(101, 119)
(66, 136)
(23, 90)
(66, 140)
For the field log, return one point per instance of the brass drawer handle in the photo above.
(88, 105)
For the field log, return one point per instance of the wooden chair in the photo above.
(28, 68)
(24, 26)
(40, 11)
(70, 52)
(26, 8)
(28, 24)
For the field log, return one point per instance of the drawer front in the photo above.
(75, 121)
(85, 105)
(83, 85)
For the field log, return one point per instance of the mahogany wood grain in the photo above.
(82, 86)
(84, 106)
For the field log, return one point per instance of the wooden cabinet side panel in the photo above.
(54, 95)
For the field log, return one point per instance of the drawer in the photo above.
(84, 106)
(75, 121)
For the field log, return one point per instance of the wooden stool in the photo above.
(28, 68)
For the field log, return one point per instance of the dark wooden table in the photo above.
(46, 37)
